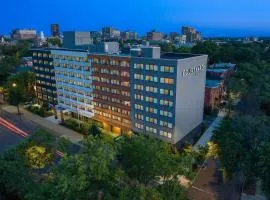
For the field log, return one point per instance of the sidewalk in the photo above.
(206, 136)
(209, 185)
(56, 129)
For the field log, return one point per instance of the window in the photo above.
(166, 92)
(151, 78)
(138, 87)
(151, 110)
(138, 76)
(150, 129)
(139, 116)
(166, 80)
(139, 126)
(151, 120)
(151, 67)
(151, 89)
(151, 99)
(165, 124)
(165, 134)
(138, 107)
(139, 97)
(166, 103)
(124, 74)
(166, 69)
(138, 66)
(165, 113)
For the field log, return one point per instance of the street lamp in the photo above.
(18, 106)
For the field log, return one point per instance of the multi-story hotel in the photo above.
(111, 83)
(147, 92)
(167, 93)
(45, 77)
(73, 76)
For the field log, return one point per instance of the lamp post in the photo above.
(14, 85)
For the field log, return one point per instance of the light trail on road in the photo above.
(20, 132)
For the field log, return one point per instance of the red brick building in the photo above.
(111, 91)
(213, 94)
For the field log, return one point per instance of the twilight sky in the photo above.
(211, 17)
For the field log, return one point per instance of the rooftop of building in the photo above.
(222, 65)
(177, 56)
(59, 49)
(109, 54)
(217, 70)
(212, 83)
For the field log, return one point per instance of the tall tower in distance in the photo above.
(55, 30)
(42, 37)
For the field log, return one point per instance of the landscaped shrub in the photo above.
(41, 111)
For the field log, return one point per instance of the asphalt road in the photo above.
(9, 139)
(24, 124)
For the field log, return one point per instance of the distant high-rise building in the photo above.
(107, 32)
(96, 36)
(129, 35)
(154, 36)
(173, 36)
(42, 37)
(24, 34)
(55, 30)
(110, 33)
(77, 40)
(191, 34)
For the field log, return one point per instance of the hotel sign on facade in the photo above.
(193, 70)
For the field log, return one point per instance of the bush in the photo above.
(76, 126)
(41, 111)
(64, 145)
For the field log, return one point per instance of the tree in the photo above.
(86, 174)
(212, 150)
(207, 47)
(139, 192)
(15, 178)
(15, 96)
(146, 158)
(265, 173)
(20, 88)
(12, 55)
(64, 145)
(55, 41)
(252, 82)
(38, 157)
(172, 190)
(240, 141)
(95, 131)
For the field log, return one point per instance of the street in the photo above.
(8, 139)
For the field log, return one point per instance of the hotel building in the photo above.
(146, 91)
(45, 77)
(111, 84)
(167, 94)
(73, 76)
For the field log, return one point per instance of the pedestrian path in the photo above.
(56, 129)
(206, 136)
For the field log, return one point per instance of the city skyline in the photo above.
(223, 18)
